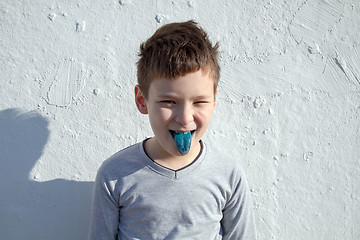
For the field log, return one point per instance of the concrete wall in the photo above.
(288, 107)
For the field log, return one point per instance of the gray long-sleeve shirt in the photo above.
(135, 198)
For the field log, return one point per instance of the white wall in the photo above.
(288, 107)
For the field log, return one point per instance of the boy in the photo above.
(173, 185)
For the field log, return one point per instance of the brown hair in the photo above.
(174, 50)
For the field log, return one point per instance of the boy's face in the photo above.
(183, 104)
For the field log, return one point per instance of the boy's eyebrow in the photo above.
(166, 96)
(174, 96)
(204, 96)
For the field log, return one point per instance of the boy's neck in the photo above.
(170, 161)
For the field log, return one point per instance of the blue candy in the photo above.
(183, 141)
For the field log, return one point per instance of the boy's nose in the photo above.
(184, 115)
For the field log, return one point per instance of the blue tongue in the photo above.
(183, 141)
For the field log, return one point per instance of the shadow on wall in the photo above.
(57, 209)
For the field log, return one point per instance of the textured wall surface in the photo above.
(288, 107)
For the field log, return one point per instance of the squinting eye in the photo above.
(201, 102)
(168, 101)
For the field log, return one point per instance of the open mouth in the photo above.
(182, 140)
(173, 133)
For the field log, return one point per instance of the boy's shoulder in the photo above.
(123, 163)
(223, 162)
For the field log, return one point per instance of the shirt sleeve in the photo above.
(104, 220)
(238, 216)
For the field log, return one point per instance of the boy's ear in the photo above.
(140, 100)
